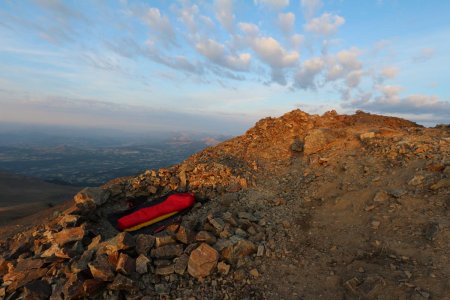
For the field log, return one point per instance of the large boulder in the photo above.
(91, 197)
(202, 261)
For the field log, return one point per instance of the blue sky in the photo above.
(218, 66)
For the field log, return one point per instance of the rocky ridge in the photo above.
(301, 206)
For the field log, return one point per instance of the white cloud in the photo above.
(160, 25)
(216, 53)
(273, 3)
(349, 59)
(297, 40)
(307, 73)
(326, 24)
(390, 92)
(310, 7)
(286, 22)
(389, 72)
(271, 52)
(249, 29)
(224, 13)
(354, 78)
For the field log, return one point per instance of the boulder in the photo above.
(207, 237)
(181, 264)
(142, 264)
(101, 269)
(202, 261)
(240, 249)
(69, 235)
(91, 197)
(144, 243)
(168, 251)
(38, 289)
(122, 283)
(125, 264)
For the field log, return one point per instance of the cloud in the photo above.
(354, 78)
(327, 24)
(424, 55)
(386, 99)
(273, 3)
(160, 25)
(310, 7)
(216, 53)
(286, 22)
(249, 29)
(55, 110)
(271, 52)
(305, 78)
(297, 40)
(342, 63)
(389, 72)
(224, 13)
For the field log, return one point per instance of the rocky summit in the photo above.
(299, 207)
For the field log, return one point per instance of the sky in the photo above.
(219, 66)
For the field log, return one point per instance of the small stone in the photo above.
(416, 180)
(122, 283)
(217, 223)
(380, 197)
(185, 235)
(223, 268)
(375, 224)
(352, 285)
(397, 193)
(286, 224)
(69, 235)
(367, 135)
(254, 273)
(95, 242)
(101, 269)
(181, 264)
(227, 199)
(443, 183)
(168, 251)
(239, 275)
(241, 233)
(202, 261)
(125, 241)
(165, 240)
(144, 242)
(165, 271)
(207, 237)
(82, 263)
(408, 274)
(241, 249)
(142, 264)
(125, 265)
(91, 287)
(431, 230)
(247, 216)
(38, 289)
(279, 201)
(260, 251)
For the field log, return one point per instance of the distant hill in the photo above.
(21, 196)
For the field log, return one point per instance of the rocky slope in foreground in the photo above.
(301, 207)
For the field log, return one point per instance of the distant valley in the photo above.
(87, 159)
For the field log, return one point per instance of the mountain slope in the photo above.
(21, 196)
(301, 207)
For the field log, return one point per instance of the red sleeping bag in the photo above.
(149, 215)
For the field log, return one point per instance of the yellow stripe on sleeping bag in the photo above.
(156, 220)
